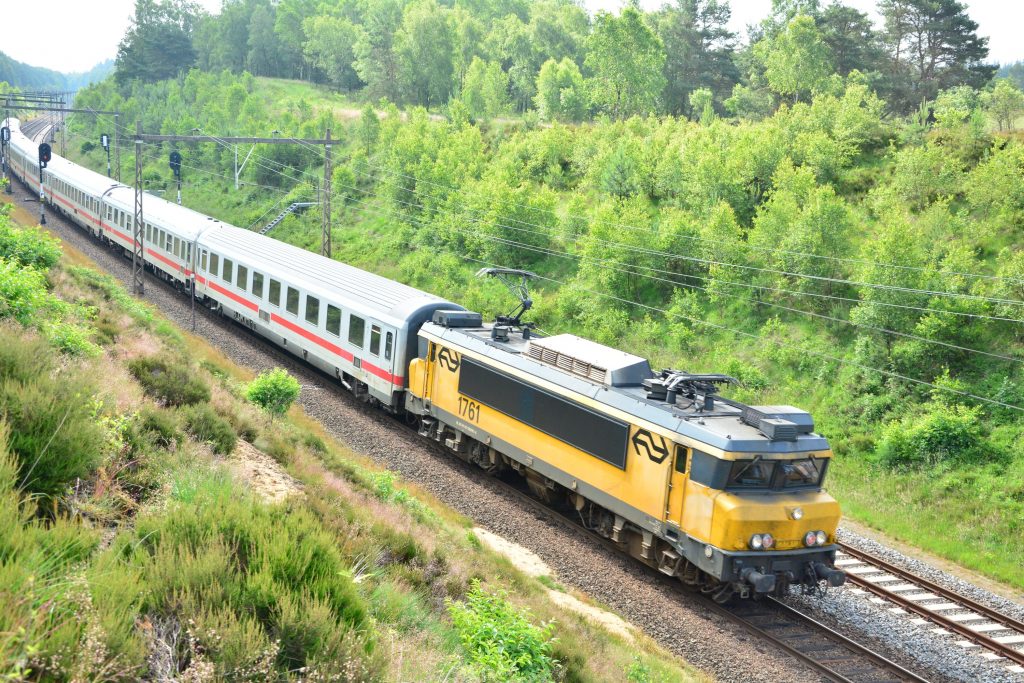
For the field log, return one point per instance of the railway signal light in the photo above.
(175, 163)
(5, 134)
(105, 141)
(44, 155)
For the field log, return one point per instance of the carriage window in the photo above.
(257, 284)
(334, 320)
(681, 453)
(177, 247)
(227, 270)
(214, 263)
(375, 340)
(292, 304)
(356, 330)
(388, 343)
(202, 261)
(275, 292)
(312, 310)
(168, 243)
(242, 281)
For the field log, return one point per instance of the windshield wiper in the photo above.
(736, 477)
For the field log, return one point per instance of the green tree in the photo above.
(702, 105)
(330, 47)
(485, 90)
(797, 60)
(368, 129)
(424, 46)
(932, 45)
(274, 391)
(1005, 103)
(288, 18)
(377, 60)
(852, 40)
(263, 58)
(561, 94)
(699, 51)
(627, 59)
(158, 43)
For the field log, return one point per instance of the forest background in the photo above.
(829, 211)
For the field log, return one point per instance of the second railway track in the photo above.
(929, 603)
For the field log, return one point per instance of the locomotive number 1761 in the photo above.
(469, 409)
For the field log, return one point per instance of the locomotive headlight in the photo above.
(755, 542)
(761, 542)
(811, 538)
(767, 541)
(822, 537)
(797, 513)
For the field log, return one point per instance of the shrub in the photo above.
(500, 641)
(28, 247)
(175, 385)
(274, 391)
(161, 424)
(54, 432)
(945, 434)
(262, 588)
(204, 424)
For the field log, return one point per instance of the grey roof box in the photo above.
(447, 318)
(590, 360)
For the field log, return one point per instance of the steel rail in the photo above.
(961, 628)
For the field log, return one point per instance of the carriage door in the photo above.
(677, 484)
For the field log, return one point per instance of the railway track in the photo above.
(831, 655)
(36, 129)
(928, 603)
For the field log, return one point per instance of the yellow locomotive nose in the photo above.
(739, 517)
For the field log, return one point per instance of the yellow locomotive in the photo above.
(724, 496)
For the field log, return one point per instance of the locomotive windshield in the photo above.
(757, 473)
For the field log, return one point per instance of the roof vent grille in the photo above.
(590, 360)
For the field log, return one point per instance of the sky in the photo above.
(80, 34)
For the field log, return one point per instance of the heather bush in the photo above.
(204, 424)
(173, 383)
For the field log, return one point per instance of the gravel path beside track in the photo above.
(723, 650)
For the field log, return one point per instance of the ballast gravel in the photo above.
(896, 636)
(706, 641)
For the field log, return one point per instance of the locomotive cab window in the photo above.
(375, 340)
(312, 310)
(334, 320)
(356, 330)
(682, 452)
(292, 301)
(274, 296)
(756, 473)
(257, 285)
(800, 473)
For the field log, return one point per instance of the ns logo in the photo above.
(449, 360)
(651, 445)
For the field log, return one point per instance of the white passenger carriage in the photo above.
(355, 325)
(359, 327)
